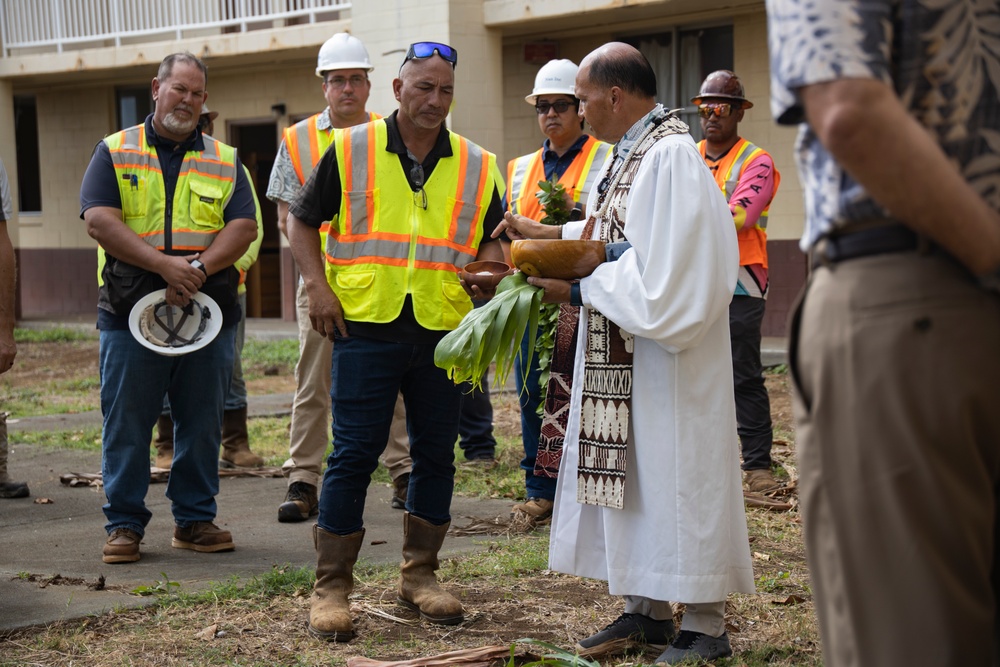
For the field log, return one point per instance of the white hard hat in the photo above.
(342, 51)
(172, 330)
(557, 77)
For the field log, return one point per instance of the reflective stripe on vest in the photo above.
(384, 245)
(306, 144)
(204, 186)
(524, 173)
(743, 155)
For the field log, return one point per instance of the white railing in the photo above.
(44, 26)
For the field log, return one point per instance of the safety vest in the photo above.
(384, 244)
(204, 187)
(306, 144)
(752, 239)
(524, 173)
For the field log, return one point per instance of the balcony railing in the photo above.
(46, 26)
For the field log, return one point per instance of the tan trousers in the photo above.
(896, 361)
(310, 431)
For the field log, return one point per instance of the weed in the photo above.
(159, 588)
(52, 335)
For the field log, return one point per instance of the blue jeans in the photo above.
(366, 376)
(133, 383)
(529, 396)
(236, 397)
(476, 423)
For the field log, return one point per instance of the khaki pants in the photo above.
(310, 431)
(896, 361)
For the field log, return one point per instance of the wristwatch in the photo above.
(577, 212)
(196, 263)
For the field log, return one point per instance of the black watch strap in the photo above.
(196, 263)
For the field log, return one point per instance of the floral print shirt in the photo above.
(942, 57)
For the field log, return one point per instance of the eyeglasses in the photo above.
(720, 109)
(417, 181)
(339, 82)
(421, 50)
(560, 106)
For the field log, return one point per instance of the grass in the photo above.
(53, 335)
(506, 586)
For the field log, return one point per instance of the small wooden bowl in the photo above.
(486, 274)
(565, 259)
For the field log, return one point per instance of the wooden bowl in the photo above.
(565, 259)
(486, 274)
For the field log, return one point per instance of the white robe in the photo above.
(682, 534)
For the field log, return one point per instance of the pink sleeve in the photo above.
(753, 192)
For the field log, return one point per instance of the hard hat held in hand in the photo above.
(725, 85)
(342, 51)
(557, 77)
(172, 330)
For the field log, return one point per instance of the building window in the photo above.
(682, 58)
(29, 178)
(134, 104)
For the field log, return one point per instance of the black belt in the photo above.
(841, 247)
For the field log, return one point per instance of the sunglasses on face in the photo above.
(421, 50)
(560, 106)
(720, 109)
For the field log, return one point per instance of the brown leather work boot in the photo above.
(202, 536)
(418, 587)
(537, 511)
(236, 443)
(400, 487)
(300, 503)
(122, 546)
(329, 609)
(164, 442)
(760, 481)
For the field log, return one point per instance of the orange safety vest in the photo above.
(524, 173)
(306, 144)
(752, 239)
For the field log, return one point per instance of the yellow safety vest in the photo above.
(384, 245)
(524, 173)
(204, 187)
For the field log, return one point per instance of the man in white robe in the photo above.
(665, 522)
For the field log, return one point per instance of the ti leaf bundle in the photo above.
(492, 332)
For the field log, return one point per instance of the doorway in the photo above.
(257, 143)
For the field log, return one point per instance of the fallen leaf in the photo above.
(759, 556)
(208, 633)
(791, 599)
(43, 501)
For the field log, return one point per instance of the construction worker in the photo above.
(575, 159)
(747, 176)
(343, 64)
(388, 291)
(8, 347)
(235, 452)
(173, 208)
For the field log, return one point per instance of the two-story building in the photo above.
(73, 71)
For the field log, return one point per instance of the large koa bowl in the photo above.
(486, 274)
(565, 259)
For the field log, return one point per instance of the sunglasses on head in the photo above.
(720, 109)
(560, 106)
(421, 50)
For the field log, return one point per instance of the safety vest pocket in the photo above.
(206, 204)
(355, 279)
(133, 196)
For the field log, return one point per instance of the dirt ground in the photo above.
(777, 622)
